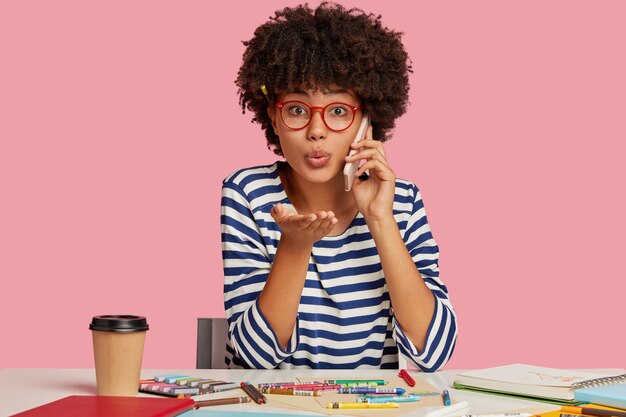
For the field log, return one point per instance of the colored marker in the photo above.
(390, 399)
(163, 388)
(184, 390)
(316, 387)
(187, 381)
(173, 379)
(446, 397)
(289, 391)
(209, 383)
(143, 383)
(223, 387)
(300, 386)
(360, 385)
(404, 374)
(395, 391)
(356, 381)
(154, 385)
(162, 378)
(276, 384)
(361, 405)
(200, 381)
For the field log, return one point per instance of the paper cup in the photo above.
(118, 342)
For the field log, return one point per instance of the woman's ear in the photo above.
(271, 112)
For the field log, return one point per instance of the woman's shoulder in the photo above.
(408, 197)
(406, 188)
(245, 176)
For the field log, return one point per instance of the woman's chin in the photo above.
(321, 176)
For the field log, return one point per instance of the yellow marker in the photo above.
(362, 405)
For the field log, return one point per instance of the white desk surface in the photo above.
(25, 388)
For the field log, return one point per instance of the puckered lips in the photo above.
(317, 159)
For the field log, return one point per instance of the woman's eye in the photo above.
(338, 111)
(297, 110)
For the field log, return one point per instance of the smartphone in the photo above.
(351, 167)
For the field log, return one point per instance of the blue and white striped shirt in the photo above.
(345, 318)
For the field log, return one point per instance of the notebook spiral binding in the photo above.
(599, 382)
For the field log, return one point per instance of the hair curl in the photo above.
(316, 48)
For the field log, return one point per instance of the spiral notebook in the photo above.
(534, 382)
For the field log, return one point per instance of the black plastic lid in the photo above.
(118, 324)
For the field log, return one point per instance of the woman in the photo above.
(315, 276)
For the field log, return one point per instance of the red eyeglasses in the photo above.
(336, 116)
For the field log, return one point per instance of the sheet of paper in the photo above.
(533, 375)
(318, 404)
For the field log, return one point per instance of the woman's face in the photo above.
(316, 152)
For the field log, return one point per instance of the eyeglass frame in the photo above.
(281, 104)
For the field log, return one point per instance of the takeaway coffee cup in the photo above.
(118, 350)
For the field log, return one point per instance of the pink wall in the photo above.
(119, 119)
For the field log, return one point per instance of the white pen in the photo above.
(499, 415)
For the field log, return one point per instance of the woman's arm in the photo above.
(413, 302)
(262, 289)
(280, 298)
(247, 253)
(425, 321)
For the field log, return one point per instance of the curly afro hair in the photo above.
(314, 49)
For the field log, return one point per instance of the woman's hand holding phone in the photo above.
(374, 196)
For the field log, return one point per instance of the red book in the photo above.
(94, 406)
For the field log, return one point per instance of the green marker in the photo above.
(360, 385)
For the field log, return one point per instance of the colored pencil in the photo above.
(222, 401)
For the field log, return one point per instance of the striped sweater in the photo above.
(345, 319)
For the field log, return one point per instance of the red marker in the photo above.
(405, 375)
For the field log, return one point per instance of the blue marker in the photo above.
(391, 398)
(446, 397)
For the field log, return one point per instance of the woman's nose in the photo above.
(317, 127)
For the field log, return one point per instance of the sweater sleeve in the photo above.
(442, 331)
(251, 341)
